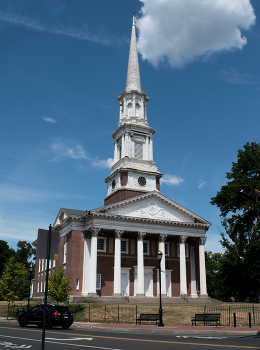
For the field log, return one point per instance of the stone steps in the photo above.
(140, 300)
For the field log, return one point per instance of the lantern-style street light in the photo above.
(31, 268)
(159, 257)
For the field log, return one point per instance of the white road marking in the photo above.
(69, 339)
(55, 342)
(14, 346)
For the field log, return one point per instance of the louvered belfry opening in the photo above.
(138, 150)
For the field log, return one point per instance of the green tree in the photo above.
(24, 253)
(5, 254)
(59, 286)
(213, 266)
(13, 273)
(241, 238)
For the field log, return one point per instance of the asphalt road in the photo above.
(14, 337)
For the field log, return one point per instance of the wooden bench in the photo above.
(206, 318)
(148, 317)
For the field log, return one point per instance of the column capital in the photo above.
(86, 234)
(141, 235)
(162, 237)
(118, 233)
(202, 240)
(183, 239)
(94, 231)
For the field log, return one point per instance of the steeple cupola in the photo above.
(134, 171)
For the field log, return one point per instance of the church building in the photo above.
(112, 250)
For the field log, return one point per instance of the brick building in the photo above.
(112, 250)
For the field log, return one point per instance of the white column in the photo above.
(151, 149)
(140, 264)
(193, 283)
(127, 144)
(183, 277)
(123, 146)
(93, 262)
(115, 152)
(86, 262)
(117, 263)
(161, 247)
(203, 285)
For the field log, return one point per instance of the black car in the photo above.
(56, 315)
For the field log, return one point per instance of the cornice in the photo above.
(131, 126)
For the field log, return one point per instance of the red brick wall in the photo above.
(121, 195)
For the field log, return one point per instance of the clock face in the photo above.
(142, 181)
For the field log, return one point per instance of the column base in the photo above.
(194, 296)
(140, 295)
(117, 295)
(204, 296)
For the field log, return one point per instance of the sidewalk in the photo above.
(183, 330)
(207, 330)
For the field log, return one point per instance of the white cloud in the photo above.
(181, 31)
(62, 150)
(232, 76)
(49, 120)
(104, 163)
(32, 23)
(171, 180)
(202, 184)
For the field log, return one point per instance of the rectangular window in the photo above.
(138, 150)
(124, 245)
(42, 264)
(54, 263)
(186, 250)
(77, 283)
(98, 284)
(101, 244)
(146, 247)
(39, 267)
(167, 251)
(38, 287)
(65, 252)
(41, 286)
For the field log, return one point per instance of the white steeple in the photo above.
(134, 170)
(133, 81)
(133, 101)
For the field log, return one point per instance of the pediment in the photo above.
(153, 206)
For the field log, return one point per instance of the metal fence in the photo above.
(237, 315)
(111, 314)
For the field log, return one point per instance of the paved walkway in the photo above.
(173, 329)
(166, 329)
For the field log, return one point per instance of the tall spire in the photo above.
(133, 81)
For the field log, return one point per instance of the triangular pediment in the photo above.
(67, 213)
(152, 206)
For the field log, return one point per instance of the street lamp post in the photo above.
(31, 268)
(159, 257)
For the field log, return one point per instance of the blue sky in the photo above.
(63, 64)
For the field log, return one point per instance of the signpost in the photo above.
(47, 248)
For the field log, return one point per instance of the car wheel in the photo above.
(22, 322)
(48, 324)
(66, 326)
